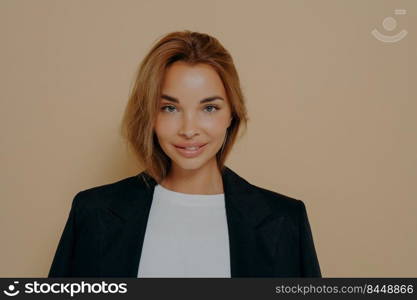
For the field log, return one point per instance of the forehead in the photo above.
(184, 80)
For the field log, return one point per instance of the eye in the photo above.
(213, 106)
(167, 106)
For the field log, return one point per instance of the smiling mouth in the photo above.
(190, 148)
(190, 151)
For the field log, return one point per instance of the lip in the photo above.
(183, 145)
(190, 153)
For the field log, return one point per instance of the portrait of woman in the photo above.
(186, 214)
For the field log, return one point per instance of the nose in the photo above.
(189, 126)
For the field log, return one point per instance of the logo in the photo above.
(70, 288)
(389, 24)
(11, 291)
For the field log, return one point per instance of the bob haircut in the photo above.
(137, 126)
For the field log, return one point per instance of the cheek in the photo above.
(163, 128)
(216, 125)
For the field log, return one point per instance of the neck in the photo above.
(206, 180)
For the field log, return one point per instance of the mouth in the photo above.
(191, 151)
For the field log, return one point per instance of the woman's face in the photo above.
(193, 111)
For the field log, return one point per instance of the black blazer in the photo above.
(269, 233)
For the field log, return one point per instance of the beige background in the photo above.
(333, 117)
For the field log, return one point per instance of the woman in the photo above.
(187, 214)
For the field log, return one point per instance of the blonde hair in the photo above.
(137, 125)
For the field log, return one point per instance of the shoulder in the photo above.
(101, 195)
(279, 203)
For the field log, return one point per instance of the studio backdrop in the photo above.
(331, 95)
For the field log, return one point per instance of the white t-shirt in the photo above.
(186, 236)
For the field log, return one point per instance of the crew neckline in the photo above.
(190, 199)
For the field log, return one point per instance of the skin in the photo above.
(192, 121)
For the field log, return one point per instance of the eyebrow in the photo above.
(175, 100)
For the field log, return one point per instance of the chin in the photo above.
(191, 165)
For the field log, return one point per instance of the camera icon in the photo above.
(389, 24)
(12, 290)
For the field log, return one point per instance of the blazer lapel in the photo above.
(251, 226)
(124, 224)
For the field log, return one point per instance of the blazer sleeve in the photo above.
(309, 262)
(63, 259)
